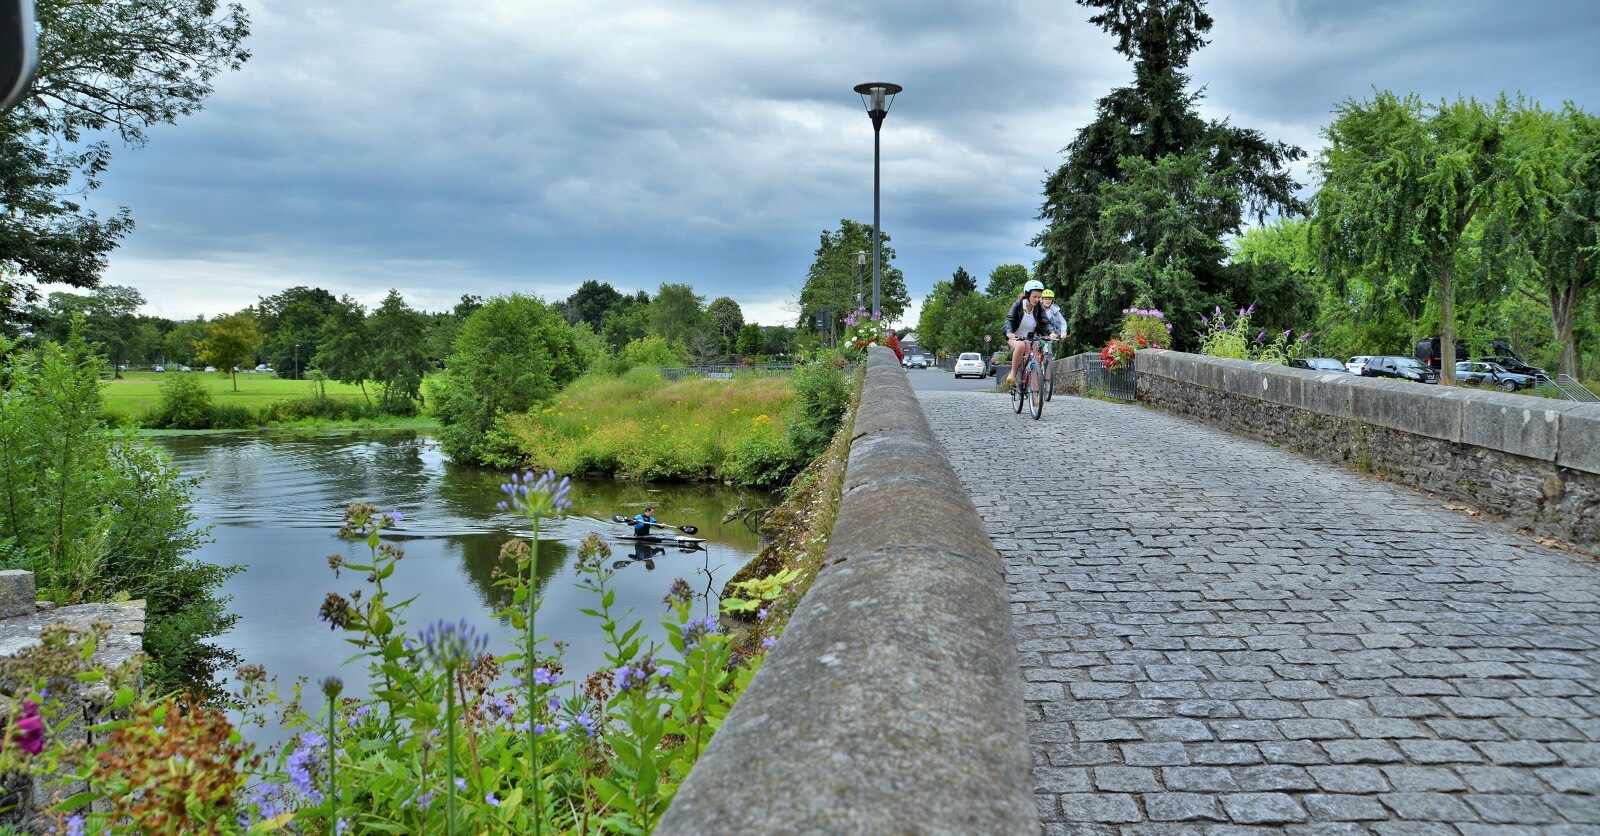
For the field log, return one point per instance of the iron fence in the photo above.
(726, 371)
(1121, 383)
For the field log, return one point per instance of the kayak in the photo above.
(662, 540)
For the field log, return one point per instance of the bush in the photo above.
(821, 393)
(764, 459)
(645, 351)
(327, 409)
(98, 515)
(230, 417)
(185, 405)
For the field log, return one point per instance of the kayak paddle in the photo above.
(686, 529)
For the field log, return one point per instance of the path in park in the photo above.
(1215, 632)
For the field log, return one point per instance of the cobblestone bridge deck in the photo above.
(1219, 635)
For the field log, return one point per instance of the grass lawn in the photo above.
(140, 391)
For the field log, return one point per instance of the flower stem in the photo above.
(333, 784)
(450, 752)
(534, 767)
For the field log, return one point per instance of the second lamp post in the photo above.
(878, 96)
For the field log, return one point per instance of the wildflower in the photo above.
(335, 610)
(75, 825)
(422, 801)
(696, 629)
(541, 497)
(1252, 308)
(395, 516)
(491, 800)
(554, 704)
(761, 614)
(543, 676)
(629, 677)
(450, 645)
(30, 728)
(341, 826)
(1287, 331)
(586, 722)
(303, 764)
(331, 687)
(1202, 319)
(769, 641)
(681, 592)
(357, 715)
(1306, 336)
(461, 784)
(1261, 336)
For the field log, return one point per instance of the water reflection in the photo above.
(275, 501)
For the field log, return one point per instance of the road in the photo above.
(1216, 633)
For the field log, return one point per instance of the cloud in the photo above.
(502, 146)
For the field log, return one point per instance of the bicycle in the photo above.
(1029, 388)
(1049, 370)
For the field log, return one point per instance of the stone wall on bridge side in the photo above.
(893, 701)
(1533, 462)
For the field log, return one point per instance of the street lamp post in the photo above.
(861, 282)
(878, 96)
(296, 361)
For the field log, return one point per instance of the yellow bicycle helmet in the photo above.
(1048, 294)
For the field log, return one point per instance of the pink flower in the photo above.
(30, 728)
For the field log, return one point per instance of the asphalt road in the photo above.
(938, 380)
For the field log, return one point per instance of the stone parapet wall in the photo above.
(23, 619)
(893, 701)
(1533, 462)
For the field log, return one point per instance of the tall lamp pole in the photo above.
(878, 96)
(296, 361)
(861, 282)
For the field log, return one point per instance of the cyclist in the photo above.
(1058, 323)
(1027, 319)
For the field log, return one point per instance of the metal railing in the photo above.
(1565, 386)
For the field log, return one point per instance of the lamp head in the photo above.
(878, 97)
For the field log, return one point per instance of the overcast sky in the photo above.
(493, 146)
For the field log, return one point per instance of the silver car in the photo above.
(1357, 363)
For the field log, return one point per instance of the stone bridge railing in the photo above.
(893, 701)
(1534, 462)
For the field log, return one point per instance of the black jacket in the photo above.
(1041, 323)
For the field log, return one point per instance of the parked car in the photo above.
(1357, 363)
(970, 364)
(211, 368)
(185, 369)
(263, 368)
(158, 368)
(1399, 368)
(1481, 373)
(1320, 364)
(916, 361)
(995, 359)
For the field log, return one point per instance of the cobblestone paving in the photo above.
(1220, 636)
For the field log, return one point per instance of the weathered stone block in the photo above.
(18, 596)
(1579, 442)
(1409, 407)
(1515, 424)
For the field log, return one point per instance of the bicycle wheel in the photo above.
(1049, 380)
(1019, 392)
(1036, 389)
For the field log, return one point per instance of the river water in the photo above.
(275, 502)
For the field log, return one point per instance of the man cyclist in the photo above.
(1027, 319)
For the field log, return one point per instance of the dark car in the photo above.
(916, 361)
(1399, 368)
(1320, 364)
(1482, 373)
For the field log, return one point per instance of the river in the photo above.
(275, 501)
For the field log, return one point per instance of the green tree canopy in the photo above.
(513, 353)
(590, 303)
(397, 339)
(962, 282)
(726, 319)
(751, 340)
(105, 67)
(1402, 182)
(1100, 251)
(230, 342)
(344, 347)
(832, 283)
(677, 315)
(1006, 280)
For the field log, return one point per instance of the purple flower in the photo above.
(1203, 319)
(761, 614)
(696, 629)
(395, 515)
(1287, 331)
(1261, 336)
(75, 825)
(540, 497)
(491, 800)
(304, 763)
(543, 676)
(452, 644)
(461, 784)
(1252, 308)
(769, 641)
(1306, 336)
(422, 801)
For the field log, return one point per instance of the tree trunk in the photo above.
(235, 376)
(1447, 324)
(1562, 300)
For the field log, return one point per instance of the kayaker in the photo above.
(643, 522)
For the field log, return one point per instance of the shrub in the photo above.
(764, 459)
(645, 351)
(185, 404)
(98, 515)
(231, 417)
(821, 393)
(1235, 341)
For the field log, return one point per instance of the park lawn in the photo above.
(138, 392)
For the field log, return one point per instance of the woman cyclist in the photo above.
(1027, 319)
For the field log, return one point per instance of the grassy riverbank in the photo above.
(638, 426)
(138, 392)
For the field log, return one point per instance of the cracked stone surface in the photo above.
(1220, 636)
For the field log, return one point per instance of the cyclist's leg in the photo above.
(1019, 350)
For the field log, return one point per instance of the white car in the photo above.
(1357, 363)
(970, 363)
